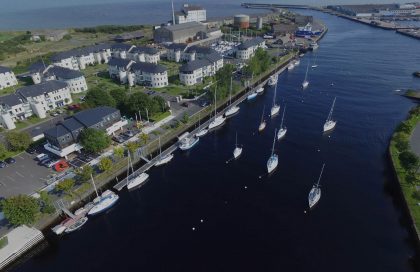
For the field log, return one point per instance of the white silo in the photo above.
(259, 23)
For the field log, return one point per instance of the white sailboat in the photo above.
(102, 202)
(305, 82)
(165, 159)
(263, 124)
(238, 150)
(135, 179)
(260, 90)
(291, 66)
(252, 95)
(315, 65)
(273, 79)
(274, 159)
(283, 130)
(203, 131)
(315, 193)
(275, 108)
(329, 123)
(218, 120)
(296, 62)
(232, 109)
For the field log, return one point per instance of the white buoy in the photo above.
(201, 220)
(246, 187)
(193, 228)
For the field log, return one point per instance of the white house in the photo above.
(144, 54)
(65, 59)
(120, 50)
(150, 74)
(75, 80)
(78, 59)
(190, 13)
(46, 96)
(13, 109)
(7, 78)
(246, 49)
(195, 71)
(120, 69)
(174, 51)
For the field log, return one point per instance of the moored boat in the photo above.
(274, 159)
(315, 193)
(188, 143)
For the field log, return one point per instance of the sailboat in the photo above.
(232, 109)
(329, 123)
(188, 143)
(102, 202)
(305, 82)
(218, 120)
(315, 65)
(291, 66)
(135, 179)
(283, 130)
(203, 131)
(260, 90)
(274, 159)
(238, 150)
(315, 193)
(263, 124)
(275, 108)
(165, 159)
(296, 62)
(273, 79)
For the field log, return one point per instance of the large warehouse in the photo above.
(179, 33)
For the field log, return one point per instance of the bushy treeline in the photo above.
(110, 29)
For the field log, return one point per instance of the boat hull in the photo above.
(137, 181)
(110, 202)
(260, 90)
(275, 110)
(262, 126)
(305, 84)
(189, 145)
(79, 224)
(329, 125)
(217, 122)
(281, 133)
(314, 196)
(202, 132)
(272, 163)
(231, 111)
(237, 152)
(164, 160)
(251, 96)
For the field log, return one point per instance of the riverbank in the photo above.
(410, 188)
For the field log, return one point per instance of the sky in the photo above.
(22, 5)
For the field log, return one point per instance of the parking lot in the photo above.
(23, 177)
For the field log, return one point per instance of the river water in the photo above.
(253, 224)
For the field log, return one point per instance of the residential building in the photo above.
(144, 54)
(195, 71)
(46, 96)
(54, 35)
(120, 50)
(190, 13)
(181, 33)
(78, 59)
(66, 59)
(63, 139)
(175, 51)
(150, 74)
(120, 69)
(12, 109)
(7, 78)
(74, 78)
(179, 52)
(247, 49)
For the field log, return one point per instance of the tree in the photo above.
(160, 104)
(46, 203)
(408, 160)
(139, 102)
(18, 141)
(120, 97)
(132, 147)
(3, 151)
(20, 209)
(65, 186)
(118, 152)
(401, 141)
(105, 164)
(84, 173)
(404, 127)
(99, 97)
(144, 138)
(94, 140)
(185, 118)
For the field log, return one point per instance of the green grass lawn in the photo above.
(4, 36)
(160, 116)
(408, 189)
(3, 242)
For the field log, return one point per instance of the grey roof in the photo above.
(177, 46)
(121, 46)
(148, 67)
(93, 116)
(129, 36)
(200, 49)
(83, 119)
(120, 63)
(42, 88)
(77, 52)
(184, 26)
(57, 57)
(192, 7)
(4, 69)
(145, 49)
(37, 67)
(10, 100)
(250, 43)
(194, 65)
(64, 73)
(214, 57)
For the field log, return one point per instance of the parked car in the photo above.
(2, 164)
(10, 160)
(41, 157)
(185, 104)
(118, 139)
(73, 107)
(129, 133)
(31, 150)
(45, 162)
(54, 114)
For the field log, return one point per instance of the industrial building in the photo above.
(181, 33)
(190, 13)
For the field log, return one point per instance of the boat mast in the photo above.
(160, 149)
(274, 97)
(274, 142)
(230, 92)
(236, 139)
(215, 94)
(332, 109)
(282, 118)
(94, 186)
(320, 175)
(262, 116)
(306, 74)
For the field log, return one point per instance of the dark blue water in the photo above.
(358, 224)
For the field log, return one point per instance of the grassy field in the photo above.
(4, 36)
(3, 242)
(411, 195)
(160, 116)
